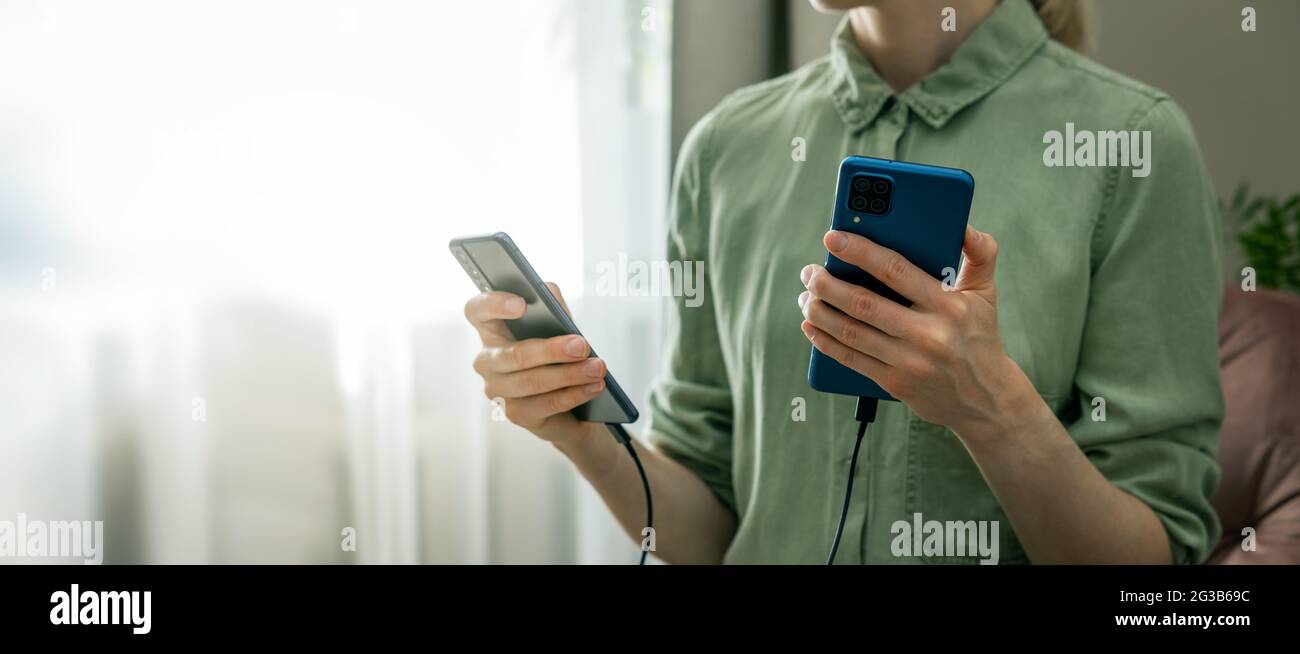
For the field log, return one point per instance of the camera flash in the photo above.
(857, 219)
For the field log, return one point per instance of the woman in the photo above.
(1066, 390)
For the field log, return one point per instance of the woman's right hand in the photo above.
(539, 380)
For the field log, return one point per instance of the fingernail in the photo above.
(592, 368)
(515, 306)
(594, 388)
(836, 241)
(806, 274)
(803, 298)
(576, 347)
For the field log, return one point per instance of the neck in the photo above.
(904, 39)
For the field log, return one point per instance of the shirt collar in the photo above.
(995, 49)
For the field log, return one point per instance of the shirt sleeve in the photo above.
(690, 405)
(1150, 343)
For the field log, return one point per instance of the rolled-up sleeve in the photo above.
(1150, 348)
(691, 404)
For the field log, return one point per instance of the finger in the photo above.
(534, 352)
(881, 312)
(555, 290)
(532, 410)
(538, 381)
(486, 311)
(853, 359)
(495, 305)
(981, 252)
(857, 335)
(886, 265)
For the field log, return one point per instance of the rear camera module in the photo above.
(871, 194)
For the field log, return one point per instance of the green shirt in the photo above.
(1108, 287)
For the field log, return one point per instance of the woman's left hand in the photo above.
(942, 356)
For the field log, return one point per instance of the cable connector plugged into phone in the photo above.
(865, 414)
(865, 411)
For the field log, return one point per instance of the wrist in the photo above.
(1016, 410)
(592, 450)
(579, 440)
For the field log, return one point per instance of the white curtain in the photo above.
(229, 324)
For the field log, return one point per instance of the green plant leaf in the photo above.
(1269, 234)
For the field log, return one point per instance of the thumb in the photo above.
(981, 252)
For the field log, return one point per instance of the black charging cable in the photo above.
(623, 437)
(864, 413)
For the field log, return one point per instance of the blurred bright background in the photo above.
(229, 324)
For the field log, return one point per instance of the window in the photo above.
(240, 210)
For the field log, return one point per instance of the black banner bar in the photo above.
(330, 603)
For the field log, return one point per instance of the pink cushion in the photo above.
(1259, 351)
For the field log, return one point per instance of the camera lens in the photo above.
(881, 187)
(859, 203)
(861, 184)
(878, 205)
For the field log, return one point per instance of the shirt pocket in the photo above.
(945, 485)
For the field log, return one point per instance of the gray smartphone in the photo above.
(494, 263)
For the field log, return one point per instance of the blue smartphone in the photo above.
(494, 263)
(917, 210)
